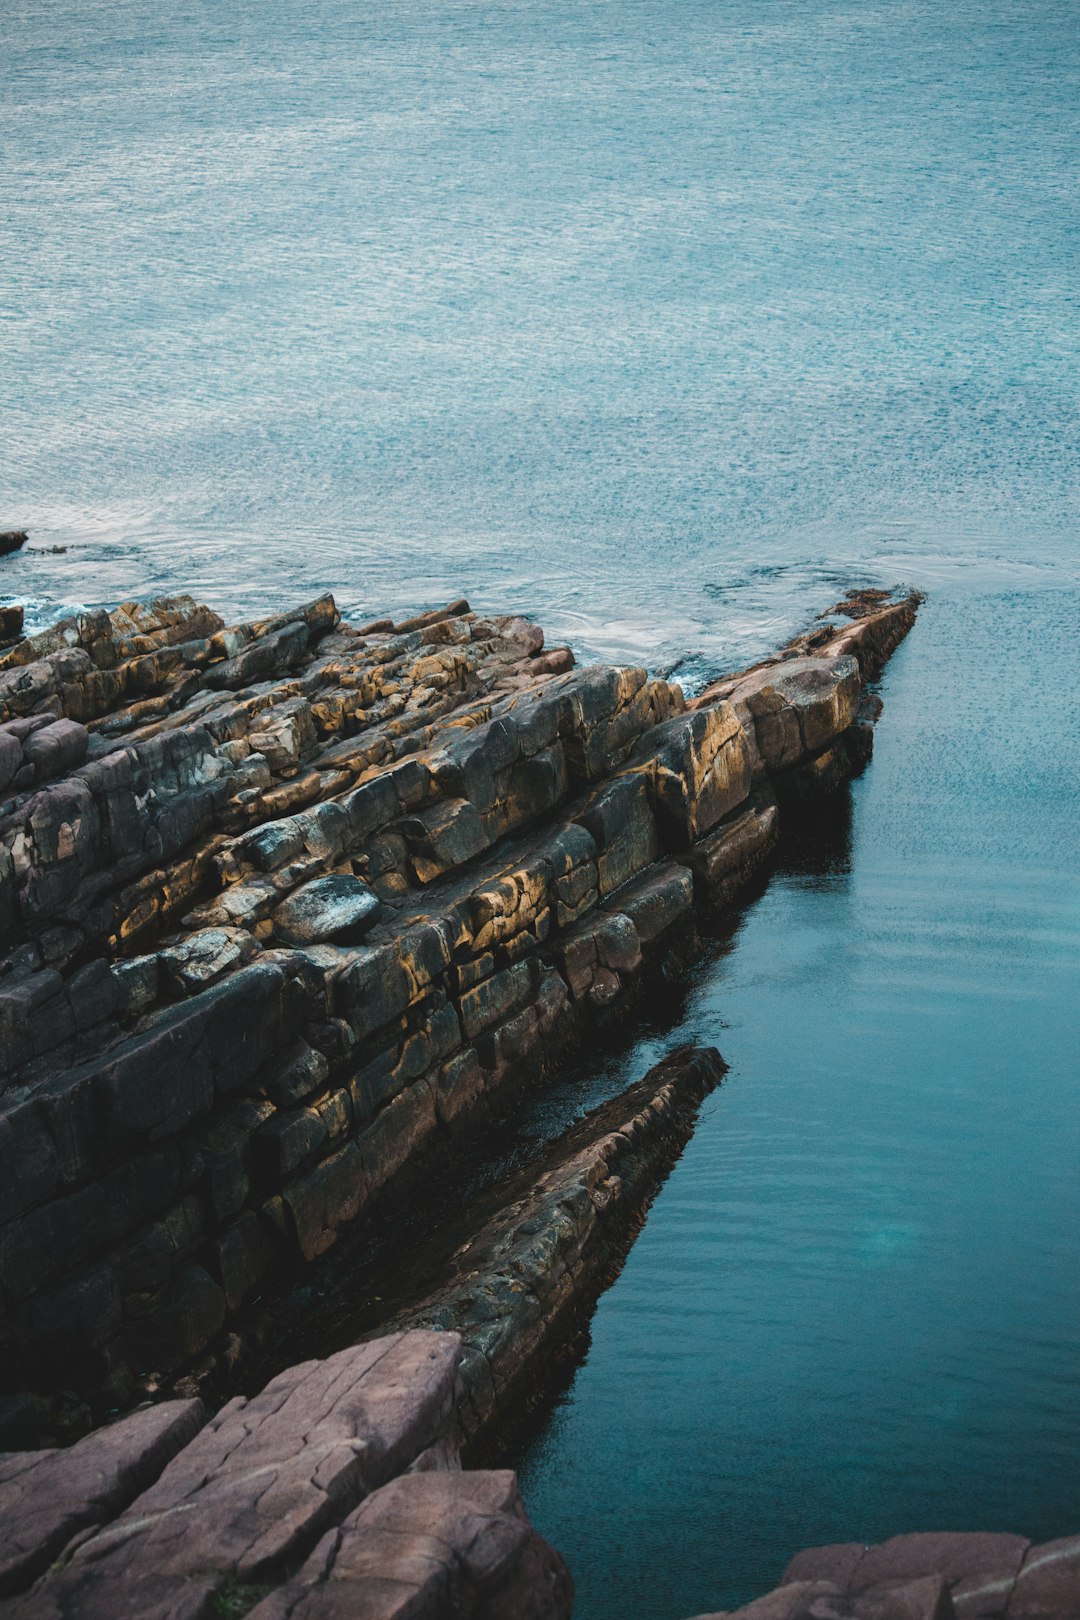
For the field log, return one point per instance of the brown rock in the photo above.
(47, 1497)
(427, 1546)
(261, 1482)
(1048, 1583)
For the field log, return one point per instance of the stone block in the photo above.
(243, 1254)
(255, 1489)
(202, 959)
(699, 767)
(339, 908)
(323, 1199)
(294, 1137)
(620, 820)
(426, 1546)
(443, 837)
(495, 998)
(799, 705)
(458, 1089)
(48, 1497)
(655, 903)
(56, 748)
(1048, 1583)
(397, 1135)
(302, 1071)
(723, 860)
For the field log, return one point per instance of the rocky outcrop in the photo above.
(12, 540)
(938, 1576)
(290, 909)
(335, 1491)
(49, 1497)
(529, 1273)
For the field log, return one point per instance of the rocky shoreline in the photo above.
(294, 915)
(337, 1493)
(290, 909)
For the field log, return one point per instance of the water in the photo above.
(656, 319)
(855, 1308)
(663, 322)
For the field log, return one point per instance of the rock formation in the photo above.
(336, 1491)
(936, 1576)
(289, 909)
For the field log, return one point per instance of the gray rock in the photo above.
(339, 907)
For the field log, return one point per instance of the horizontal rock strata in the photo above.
(289, 908)
(936, 1576)
(337, 1491)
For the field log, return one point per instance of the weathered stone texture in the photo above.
(254, 1490)
(559, 1231)
(934, 1576)
(427, 1546)
(283, 906)
(48, 1497)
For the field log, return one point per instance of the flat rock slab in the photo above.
(933, 1576)
(260, 1483)
(925, 1599)
(428, 1546)
(47, 1497)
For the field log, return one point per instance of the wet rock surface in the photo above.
(290, 910)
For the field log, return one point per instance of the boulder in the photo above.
(47, 1497)
(338, 907)
(799, 705)
(260, 1483)
(427, 1546)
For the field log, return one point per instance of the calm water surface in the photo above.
(662, 321)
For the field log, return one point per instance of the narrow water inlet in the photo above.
(853, 1310)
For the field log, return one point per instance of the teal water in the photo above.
(854, 1309)
(664, 322)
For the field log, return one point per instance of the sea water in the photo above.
(662, 321)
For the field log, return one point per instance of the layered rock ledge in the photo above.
(291, 909)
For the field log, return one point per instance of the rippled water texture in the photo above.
(855, 1308)
(650, 318)
(662, 322)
